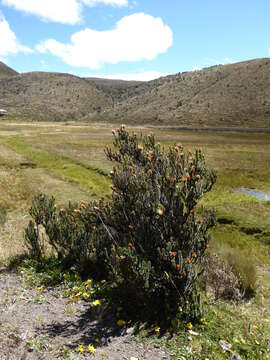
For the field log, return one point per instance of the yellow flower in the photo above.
(40, 289)
(180, 309)
(203, 321)
(78, 294)
(157, 329)
(96, 340)
(103, 281)
(121, 323)
(80, 348)
(257, 342)
(91, 348)
(189, 326)
(86, 295)
(88, 282)
(96, 303)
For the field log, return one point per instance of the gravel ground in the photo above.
(44, 325)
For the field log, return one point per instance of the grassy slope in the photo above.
(219, 96)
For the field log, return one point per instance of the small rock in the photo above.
(225, 345)
(130, 330)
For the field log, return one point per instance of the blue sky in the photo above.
(140, 39)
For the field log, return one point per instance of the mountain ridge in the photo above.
(233, 95)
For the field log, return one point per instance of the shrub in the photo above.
(157, 240)
(221, 279)
(147, 238)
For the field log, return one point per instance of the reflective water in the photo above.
(253, 192)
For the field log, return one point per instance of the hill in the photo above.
(51, 96)
(6, 71)
(235, 95)
(224, 95)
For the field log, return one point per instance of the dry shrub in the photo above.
(222, 279)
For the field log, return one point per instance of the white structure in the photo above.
(3, 112)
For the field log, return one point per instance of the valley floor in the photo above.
(67, 161)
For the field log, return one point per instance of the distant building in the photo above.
(3, 112)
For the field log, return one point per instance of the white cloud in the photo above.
(62, 11)
(106, 2)
(134, 38)
(141, 76)
(9, 43)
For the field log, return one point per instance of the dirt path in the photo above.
(44, 325)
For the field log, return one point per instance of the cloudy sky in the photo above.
(131, 39)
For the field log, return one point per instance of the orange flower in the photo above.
(148, 158)
(83, 206)
(177, 267)
(188, 260)
(194, 255)
(130, 245)
(174, 178)
(188, 177)
(198, 177)
(192, 211)
(173, 253)
(179, 165)
(183, 273)
(131, 168)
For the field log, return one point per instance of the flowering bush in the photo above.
(157, 240)
(147, 239)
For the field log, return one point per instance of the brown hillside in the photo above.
(51, 96)
(117, 90)
(235, 95)
(6, 71)
(231, 95)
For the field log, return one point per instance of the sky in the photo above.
(131, 39)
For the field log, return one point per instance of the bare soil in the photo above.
(45, 325)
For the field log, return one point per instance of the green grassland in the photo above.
(68, 161)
